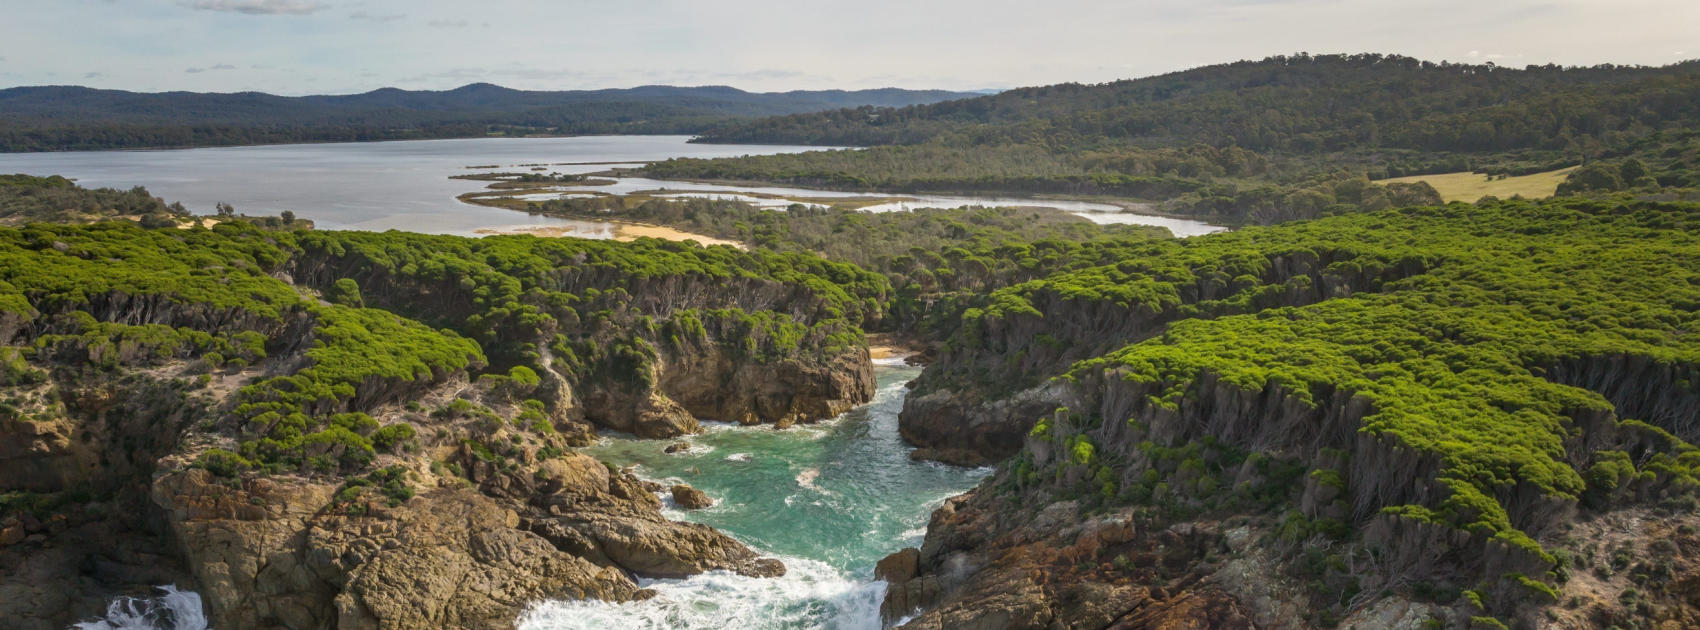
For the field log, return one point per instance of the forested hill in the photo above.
(67, 118)
(1299, 103)
(1284, 138)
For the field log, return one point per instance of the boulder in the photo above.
(690, 498)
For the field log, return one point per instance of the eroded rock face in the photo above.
(95, 435)
(717, 385)
(1042, 544)
(983, 567)
(655, 548)
(950, 429)
(447, 571)
(899, 567)
(44, 455)
(63, 572)
(283, 553)
(975, 401)
(645, 413)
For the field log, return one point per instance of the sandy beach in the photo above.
(622, 232)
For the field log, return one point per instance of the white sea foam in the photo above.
(810, 595)
(913, 536)
(807, 478)
(171, 610)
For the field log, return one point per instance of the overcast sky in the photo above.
(345, 46)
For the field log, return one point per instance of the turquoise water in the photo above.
(830, 499)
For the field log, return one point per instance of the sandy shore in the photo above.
(629, 231)
(548, 231)
(887, 352)
(622, 232)
(882, 347)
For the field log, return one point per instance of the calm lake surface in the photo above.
(406, 186)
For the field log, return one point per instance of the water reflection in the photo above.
(407, 186)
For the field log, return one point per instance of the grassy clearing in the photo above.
(1469, 187)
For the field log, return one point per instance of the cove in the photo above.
(830, 499)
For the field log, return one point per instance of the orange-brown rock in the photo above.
(690, 498)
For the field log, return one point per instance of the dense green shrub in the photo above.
(345, 291)
(386, 439)
(223, 463)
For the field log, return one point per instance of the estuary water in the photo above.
(405, 185)
(830, 499)
(374, 186)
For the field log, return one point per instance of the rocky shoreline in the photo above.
(483, 537)
(402, 483)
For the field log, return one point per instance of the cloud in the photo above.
(256, 7)
(762, 74)
(362, 15)
(449, 23)
(464, 75)
(91, 75)
(216, 66)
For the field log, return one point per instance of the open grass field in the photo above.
(1472, 186)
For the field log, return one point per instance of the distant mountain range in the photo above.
(52, 118)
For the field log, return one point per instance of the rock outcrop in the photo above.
(690, 498)
(70, 567)
(268, 554)
(287, 554)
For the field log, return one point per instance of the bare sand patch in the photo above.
(884, 348)
(622, 232)
(630, 231)
(546, 231)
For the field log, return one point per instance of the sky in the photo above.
(348, 46)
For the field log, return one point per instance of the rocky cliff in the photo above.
(218, 409)
(974, 402)
(1248, 509)
(646, 345)
(1447, 448)
(464, 531)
